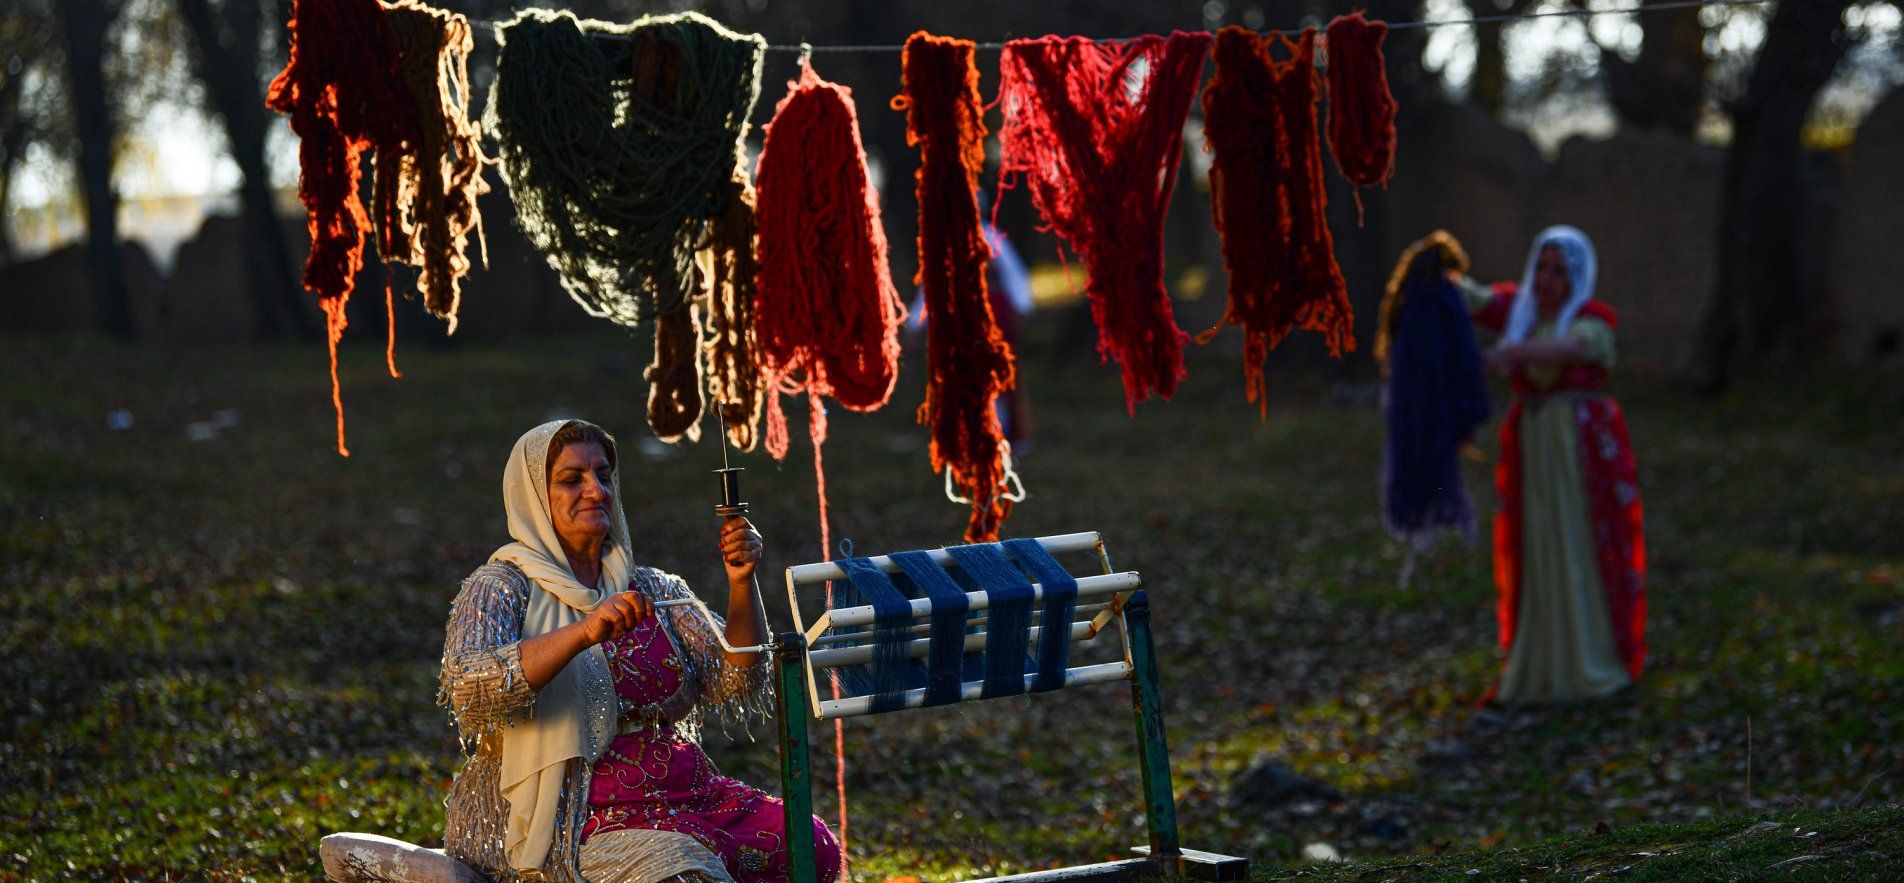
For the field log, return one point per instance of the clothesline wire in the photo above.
(1423, 24)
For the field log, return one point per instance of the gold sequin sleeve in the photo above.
(732, 695)
(482, 681)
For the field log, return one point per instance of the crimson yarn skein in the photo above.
(1361, 107)
(826, 313)
(1096, 131)
(968, 360)
(1269, 203)
(1323, 298)
(344, 93)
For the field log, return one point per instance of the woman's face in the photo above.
(1551, 287)
(581, 487)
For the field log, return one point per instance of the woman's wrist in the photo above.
(583, 638)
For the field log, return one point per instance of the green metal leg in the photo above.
(796, 782)
(1160, 802)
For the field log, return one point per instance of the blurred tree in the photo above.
(85, 24)
(1663, 89)
(229, 39)
(1489, 86)
(29, 51)
(1758, 301)
(12, 141)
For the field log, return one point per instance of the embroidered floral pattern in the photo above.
(654, 776)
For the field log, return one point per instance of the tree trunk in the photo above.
(84, 23)
(13, 133)
(228, 65)
(1664, 89)
(1489, 86)
(1756, 300)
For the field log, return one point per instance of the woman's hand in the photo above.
(1505, 358)
(741, 546)
(746, 618)
(616, 616)
(1501, 359)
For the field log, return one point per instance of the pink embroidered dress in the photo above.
(654, 778)
(668, 675)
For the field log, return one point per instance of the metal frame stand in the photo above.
(1162, 857)
(796, 779)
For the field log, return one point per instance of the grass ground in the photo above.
(218, 651)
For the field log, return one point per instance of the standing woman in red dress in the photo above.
(1569, 551)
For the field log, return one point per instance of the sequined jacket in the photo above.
(483, 684)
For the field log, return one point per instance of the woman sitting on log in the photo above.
(582, 700)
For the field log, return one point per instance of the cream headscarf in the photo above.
(572, 714)
(1582, 266)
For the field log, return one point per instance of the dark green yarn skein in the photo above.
(618, 191)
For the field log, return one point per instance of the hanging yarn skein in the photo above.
(674, 376)
(425, 201)
(731, 348)
(1324, 297)
(618, 184)
(623, 156)
(1361, 108)
(343, 92)
(1436, 396)
(1096, 130)
(1259, 124)
(968, 361)
(827, 316)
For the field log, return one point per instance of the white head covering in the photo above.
(1582, 267)
(570, 717)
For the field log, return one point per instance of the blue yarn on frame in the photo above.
(1009, 608)
(1060, 603)
(945, 655)
(891, 672)
(1436, 398)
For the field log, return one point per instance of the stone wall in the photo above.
(1867, 238)
(53, 292)
(1651, 205)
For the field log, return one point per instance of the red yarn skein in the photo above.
(1323, 298)
(968, 361)
(1096, 130)
(345, 97)
(1259, 124)
(826, 314)
(1361, 108)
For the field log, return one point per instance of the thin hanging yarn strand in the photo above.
(733, 374)
(1096, 132)
(1269, 202)
(426, 197)
(342, 91)
(1361, 107)
(618, 164)
(968, 361)
(826, 314)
